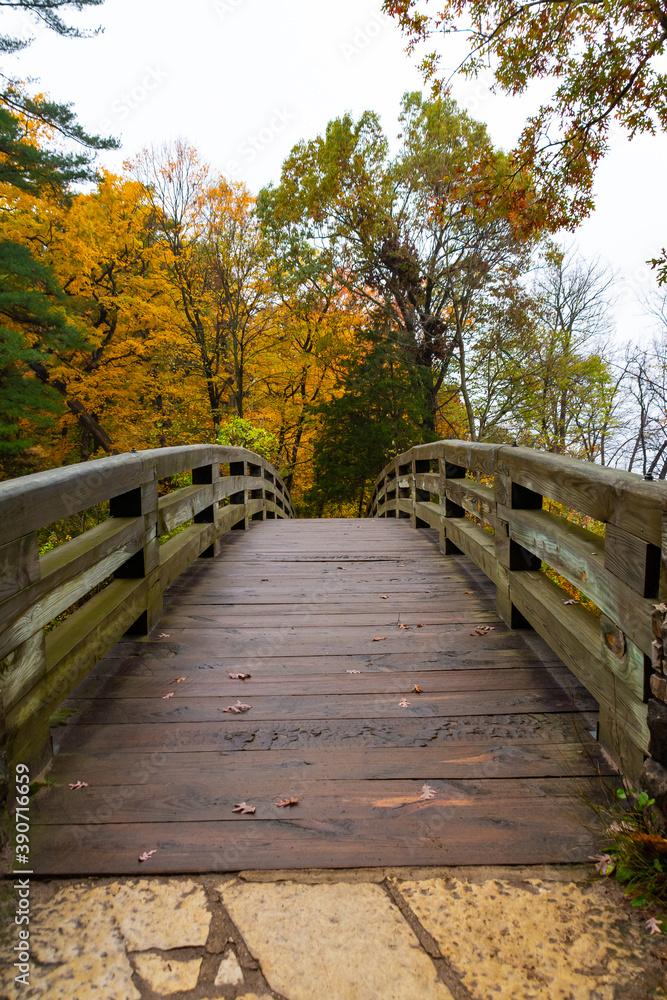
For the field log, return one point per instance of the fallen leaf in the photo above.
(427, 792)
(385, 597)
(238, 708)
(354, 671)
(291, 801)
(571, 602)
(243, 808)
(164, 635)
(403, 703)
(379, 638)
(165, 696)
(417, 689)
(420, 626)
(240, 677)
(653, 926)
(147, 854)
(178, 680)
(264, 579)
(468, 591)
(78, 784)
(406, 627)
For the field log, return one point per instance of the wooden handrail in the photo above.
(487, 501)
(38, 670)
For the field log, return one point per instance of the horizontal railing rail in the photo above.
(39, 668)
(487, 501)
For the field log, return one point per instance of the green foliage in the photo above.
(238, 432)
(382, 409)
(636, 850)
(31, 301)
(61, 717)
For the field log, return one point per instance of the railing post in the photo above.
(447, 470)
(419, 466)
(238, 469)
(204, 475)
(142, 502)
(510, 555)
(19, 568)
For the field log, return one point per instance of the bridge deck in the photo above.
(336, 621)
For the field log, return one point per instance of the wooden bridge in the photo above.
(426, 696)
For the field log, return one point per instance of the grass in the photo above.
(634, 851)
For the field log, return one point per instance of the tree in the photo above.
(379, 410)
(605, 58)
(414, 239)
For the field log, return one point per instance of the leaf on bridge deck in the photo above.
(379, 638)
(178, 680)
(147, 854)
(240, 677)
(354, 671)
(572, 601)
(427, 792)
(416, 689)
(406, 627)
(238, 708)
(164, 635)
(243, 808)
(403, 703)
(165, 696)
(291, 801)
(75, 785)
(385, 597)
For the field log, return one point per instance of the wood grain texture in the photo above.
(298, 605)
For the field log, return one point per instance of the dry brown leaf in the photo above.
(416, 689)
(379, 638)
(406, 627)
(468, 591)
(385, 597)
(164, 635)
(264, 579)
(78, 784)
(403, 703)
(147, 854)
(353, 671)
(291, 801)
(240, 677)
(238, 708)
(178, 680)
(165, 696)
(243, 808)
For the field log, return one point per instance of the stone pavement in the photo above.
(537, 933)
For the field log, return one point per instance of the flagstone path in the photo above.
(535, 933)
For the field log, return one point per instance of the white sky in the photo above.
(243, 80)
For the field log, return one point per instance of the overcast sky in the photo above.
(243, 80)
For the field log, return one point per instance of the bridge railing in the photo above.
(487, 502)
(39, 668)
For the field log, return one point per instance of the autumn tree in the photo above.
(414, 238)
(605, 60)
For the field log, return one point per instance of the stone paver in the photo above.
(337, 941)
(167, 976)
(542, 933)
(160, 914)
(542, 941)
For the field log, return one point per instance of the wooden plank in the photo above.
(205, 684)
(476, 543)
(605, 494)
(19, 565)
(384, 705)
(468, 759)
(579, 556)
(476, 498)
(632, 560)
(574, 635)
(448, 835)
(312, 734)
(200, 800)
